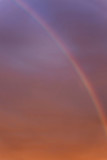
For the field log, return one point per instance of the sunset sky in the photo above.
(46, 110)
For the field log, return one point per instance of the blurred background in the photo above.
(46, 112)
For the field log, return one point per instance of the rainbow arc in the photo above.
(70, 57)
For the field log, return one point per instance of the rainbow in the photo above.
(71, 59)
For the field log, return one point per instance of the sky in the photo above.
(46, 112)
